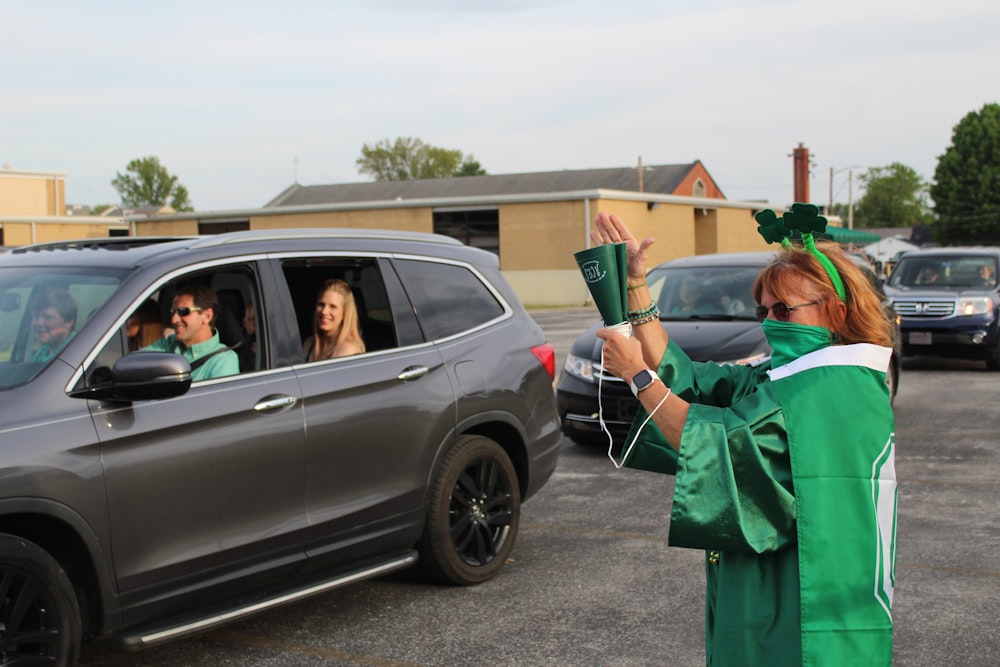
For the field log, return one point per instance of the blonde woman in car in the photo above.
(335, 326)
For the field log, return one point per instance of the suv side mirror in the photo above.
(142, 376)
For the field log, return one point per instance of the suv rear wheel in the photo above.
(473, 513)
(39, 613)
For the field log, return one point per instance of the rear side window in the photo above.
(448, 298)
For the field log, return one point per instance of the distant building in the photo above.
(533, 222)
(33, 209)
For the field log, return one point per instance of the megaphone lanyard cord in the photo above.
(607, 431)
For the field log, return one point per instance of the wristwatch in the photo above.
(642, 380)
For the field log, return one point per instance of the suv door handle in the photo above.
(275, 403)
(413, 373)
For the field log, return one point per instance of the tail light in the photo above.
(546, 354)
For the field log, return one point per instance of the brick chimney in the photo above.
(800, 160)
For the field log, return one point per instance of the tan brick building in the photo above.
(533, 222)
(33, 210)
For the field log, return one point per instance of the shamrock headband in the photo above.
(805, 219)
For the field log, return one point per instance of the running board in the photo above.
(149, 636)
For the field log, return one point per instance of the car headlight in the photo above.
(979, 305)
(579, 367)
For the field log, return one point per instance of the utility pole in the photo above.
(295, 162)
(850, 199)
(829, 206)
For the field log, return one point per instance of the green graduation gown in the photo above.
(786, 477)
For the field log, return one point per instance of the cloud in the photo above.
(229, 94)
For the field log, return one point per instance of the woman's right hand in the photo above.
(609, 228)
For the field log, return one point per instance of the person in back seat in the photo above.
(336, 332)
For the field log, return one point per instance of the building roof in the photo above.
(658, 179)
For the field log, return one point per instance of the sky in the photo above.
(240, 100)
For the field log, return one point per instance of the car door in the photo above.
(374, 425)
(207, 484)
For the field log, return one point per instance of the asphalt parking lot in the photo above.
(592, 581)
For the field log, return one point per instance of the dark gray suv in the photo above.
(139, 504)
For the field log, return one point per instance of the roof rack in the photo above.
(109, 243)
(321, 233)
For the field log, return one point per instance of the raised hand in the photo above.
(609, 228)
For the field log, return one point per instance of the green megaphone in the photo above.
(605, 269)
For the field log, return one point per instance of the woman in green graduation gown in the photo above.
(784, 471)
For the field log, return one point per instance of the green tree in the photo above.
(966, 190)
(407, 158)
(470, 167)
(146, 182)
(895, 196)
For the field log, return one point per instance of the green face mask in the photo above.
(789, 341)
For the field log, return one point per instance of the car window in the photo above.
(240, 349)
(718, 292)
(945, 271)
(42, 310)
(448, 298)
(308, 277)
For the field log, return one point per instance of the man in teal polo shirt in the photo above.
(191, 318)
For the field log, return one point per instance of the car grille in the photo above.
(924, 308)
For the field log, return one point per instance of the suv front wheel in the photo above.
(473, 513)
(39, 613)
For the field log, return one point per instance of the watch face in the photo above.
(642, 380)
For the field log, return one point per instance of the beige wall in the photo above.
(402, 219)
(541, 236)
(32, 195)
(670, 224)
(23, 233)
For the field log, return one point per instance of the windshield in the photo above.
(41, 310)
(710, 292)
(945, 272)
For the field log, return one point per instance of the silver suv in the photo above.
(141, 501)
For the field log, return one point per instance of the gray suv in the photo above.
(949, 301)
(140, 503)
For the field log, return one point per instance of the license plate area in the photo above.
(920, 338)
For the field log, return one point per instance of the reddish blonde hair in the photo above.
(864, 320)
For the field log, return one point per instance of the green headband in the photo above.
(805, 219)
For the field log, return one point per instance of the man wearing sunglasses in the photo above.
(194, 337)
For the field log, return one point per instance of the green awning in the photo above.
(844, 235)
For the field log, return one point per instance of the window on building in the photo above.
(698, 190)
(223, 227)
(479, 228)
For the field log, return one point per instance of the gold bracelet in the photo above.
(637, 285)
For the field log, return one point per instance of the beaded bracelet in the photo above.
(635, 314)
(645, 320)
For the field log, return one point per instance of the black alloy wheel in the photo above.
(39, 613)
(473, 514)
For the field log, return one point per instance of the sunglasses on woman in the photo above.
(780, 309)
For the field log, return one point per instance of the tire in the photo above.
(472, 515)
(39, 613)
(993, 361)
